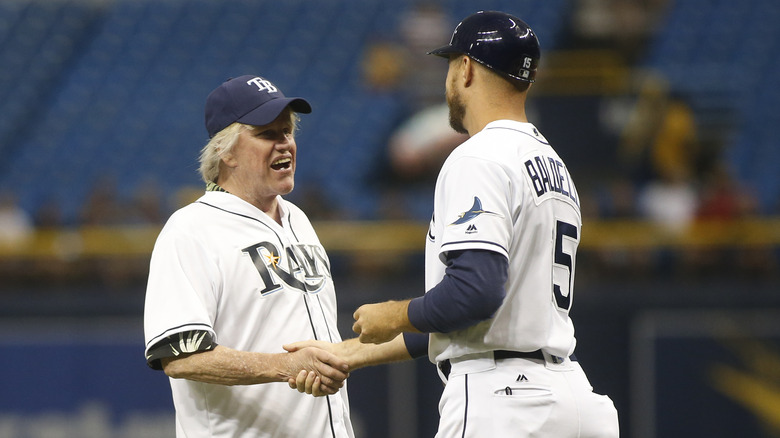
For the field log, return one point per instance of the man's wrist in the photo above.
(403, 324)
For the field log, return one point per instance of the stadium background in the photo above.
(665, 111)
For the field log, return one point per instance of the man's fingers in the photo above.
(357, 327)
(292, 348)
(332, 369)
(300, 345)
(324, 374)
(309, 383)
(334, 378)
(333, 365)
(299, 382)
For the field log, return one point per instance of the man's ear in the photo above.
(228, 160)
(467, 70)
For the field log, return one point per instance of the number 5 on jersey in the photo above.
(566, 241)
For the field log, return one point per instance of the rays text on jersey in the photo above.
(306, 269)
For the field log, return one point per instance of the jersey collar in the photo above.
(525, 127)
(211, 186)
(217, 195)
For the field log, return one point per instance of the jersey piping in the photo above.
(520, 131)
(244, 216)
(473, 241)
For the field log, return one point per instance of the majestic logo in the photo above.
(262, 84)
(307, 266)
(473, 212)
(471, 229)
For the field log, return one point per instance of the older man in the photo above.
(240, 272)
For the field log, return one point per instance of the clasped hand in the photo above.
(322, 372)
(309, 381)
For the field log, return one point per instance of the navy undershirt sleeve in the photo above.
(471, 291)
(416, 344)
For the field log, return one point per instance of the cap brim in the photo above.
(269, 111)
(300, 105)
(444, 51)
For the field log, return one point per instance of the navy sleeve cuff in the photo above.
(416, 313)
(416, 344)
(190, 341)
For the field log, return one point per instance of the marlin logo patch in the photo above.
(473, 212)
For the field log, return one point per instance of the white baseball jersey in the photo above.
(223, 267)
(506, 190)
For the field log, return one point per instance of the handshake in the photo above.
(324, 366)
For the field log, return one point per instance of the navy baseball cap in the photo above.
(248, 99)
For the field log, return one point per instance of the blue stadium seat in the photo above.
(722, 55)
(117, 88)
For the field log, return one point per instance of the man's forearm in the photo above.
(360, 355)
(225, 366)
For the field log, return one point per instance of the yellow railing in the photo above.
(399, 237)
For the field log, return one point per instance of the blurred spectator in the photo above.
(15, 224)
(49, 214)
(660, 134)
(620, 25)
(417, 147)
(415, 152)
(401, 65)
(383, 66)
(147, 204)
(670, 197)
(420, 145)
(423, 27)
(102, 206)
(675, 147)
(670, 202)
(723, 198)
(724, 201)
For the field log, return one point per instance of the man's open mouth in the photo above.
(283, 163)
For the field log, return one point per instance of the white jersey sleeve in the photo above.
(476, 214)
(183, 278)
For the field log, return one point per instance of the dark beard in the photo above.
(457, 113)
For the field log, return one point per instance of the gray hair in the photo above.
(220, 144)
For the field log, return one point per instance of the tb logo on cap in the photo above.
(262, 84)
